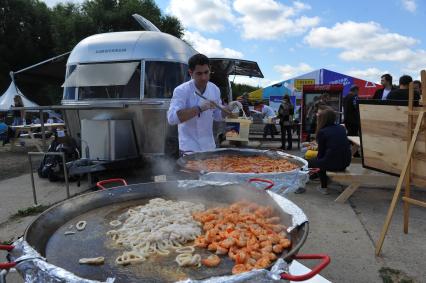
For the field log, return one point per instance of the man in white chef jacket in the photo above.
(194, 115)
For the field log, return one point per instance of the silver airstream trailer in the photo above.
(130, 76)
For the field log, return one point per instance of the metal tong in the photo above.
(224, 110)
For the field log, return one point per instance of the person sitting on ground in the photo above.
(402, 92)
(334, 152)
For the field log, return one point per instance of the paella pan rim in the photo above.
(242, 152)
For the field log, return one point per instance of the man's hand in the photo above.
(206, 105)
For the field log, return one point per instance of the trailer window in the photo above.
(114, 90)
(161, 78)
(69, 92)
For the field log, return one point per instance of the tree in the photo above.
(30, 32)
(239, 89)
(24, 36)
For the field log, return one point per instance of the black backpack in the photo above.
(51, 166)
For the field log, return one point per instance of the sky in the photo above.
(361, 38)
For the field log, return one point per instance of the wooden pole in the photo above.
(399, 184)
(408, 175)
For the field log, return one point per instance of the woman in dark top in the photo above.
(334, 153)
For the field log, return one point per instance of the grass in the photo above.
(390, 275)
(33, 210)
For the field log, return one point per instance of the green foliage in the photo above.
(33, 210)
(390, 275)
(31, 32)
(239, 89)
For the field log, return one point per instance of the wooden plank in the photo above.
(385, 140)
(347, 193)
(414, 201)
(399, 185)
(408, 175)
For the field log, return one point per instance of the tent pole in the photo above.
(12, 76)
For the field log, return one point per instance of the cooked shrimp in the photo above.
(227, 243)
(277, 248)
(241, 257)
(221, 250)
(246, 231)
(262, 262)
(239, 268)
(285, 243)
(211, 261)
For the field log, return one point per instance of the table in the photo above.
(30, 130)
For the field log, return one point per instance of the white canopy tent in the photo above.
(6, 100)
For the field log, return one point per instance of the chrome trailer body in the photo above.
(137, 69)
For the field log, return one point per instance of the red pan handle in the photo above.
(101, 183)
(325, 260)
(271, 184)
(7, 265)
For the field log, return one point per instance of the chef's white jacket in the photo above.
(195, 134)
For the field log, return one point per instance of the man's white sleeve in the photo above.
(177, 103)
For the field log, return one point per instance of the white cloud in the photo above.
(369, 41)
(269, 19)
(409, 5)
(416, 61)
(369, 74)
(256, 82)
(209, 46)
(203, 15)
(288, 71)
(362, 41)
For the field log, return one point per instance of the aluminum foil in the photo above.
(254, 276)
(285, 182)
(34, 268)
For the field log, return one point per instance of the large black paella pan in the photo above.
(47, 233)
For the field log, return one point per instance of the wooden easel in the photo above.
(412, 137)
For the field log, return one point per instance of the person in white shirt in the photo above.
(267, 112)
(194, 115)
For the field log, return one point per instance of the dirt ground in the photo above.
(15, 163)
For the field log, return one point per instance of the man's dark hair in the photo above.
(388, 78)
(405, 80)
(198, 59)
(417, 82)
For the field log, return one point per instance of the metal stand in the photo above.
(63, 165)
